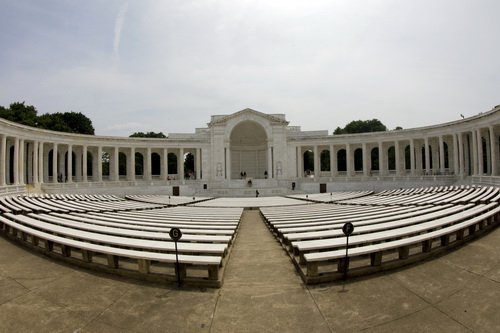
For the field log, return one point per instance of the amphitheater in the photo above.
(263, 208)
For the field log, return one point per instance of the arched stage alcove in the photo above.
(248, 150)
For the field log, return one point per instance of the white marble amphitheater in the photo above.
(264, 146)
(93, 206)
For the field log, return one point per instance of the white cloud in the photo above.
(322, 63)
(120, 19)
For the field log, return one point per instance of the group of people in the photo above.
(243, 174)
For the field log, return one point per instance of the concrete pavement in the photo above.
(455, 292)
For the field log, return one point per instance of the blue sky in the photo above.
(168, 65)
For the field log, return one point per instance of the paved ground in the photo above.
(457, 292)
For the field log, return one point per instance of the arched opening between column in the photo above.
(342, 160)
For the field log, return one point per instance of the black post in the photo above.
(176, 234)
(346, 257)
(177, 265)
(347, 229)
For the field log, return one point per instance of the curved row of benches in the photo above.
(133, 243)
(385, 235)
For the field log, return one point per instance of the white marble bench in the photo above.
(378, 224)
(121, 241)
(130, 230)
(144, 258)
(402, 245)
(302, 247)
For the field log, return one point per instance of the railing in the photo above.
(486, 180)
(12, 189)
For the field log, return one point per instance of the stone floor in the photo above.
(456, 292)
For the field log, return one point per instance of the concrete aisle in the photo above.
(262, 291)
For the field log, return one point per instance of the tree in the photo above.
(361, 126)
(20, 113)
(53, 122)
(189, 163)
(71, 122)
(78, 122)
(148, 135)
(308, 161)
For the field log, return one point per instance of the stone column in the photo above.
(84, 164)
(412, 157)
(474, 153)
(455, 154)
(270, 171)
(441, 155)
(333, 162)
(493, 149)
(35, 163)
(131, 165)
(316, 166)
(198, 164)
(70, 164)
(228, 162)
(366, 168)
(55, 174)
(22, 162)
(78, 164)
(61, 165)
(3, 159)
(164, 169)
(16, 162)
(97, 174)
(480, 164)
(300, 167)
(27, 169)
(397, 158)
(427, 156)
(147, 164)
(461, 161)
(114, 173)
(382, 157)
(41, 163)
(349, 161)
(180, 163)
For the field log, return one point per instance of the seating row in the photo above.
(413, 225)
(207, 235)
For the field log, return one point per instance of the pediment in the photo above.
(273, 119)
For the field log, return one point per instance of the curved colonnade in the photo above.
(270, 153)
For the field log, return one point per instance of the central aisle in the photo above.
(262, 290)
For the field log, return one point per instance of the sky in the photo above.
(167, 66)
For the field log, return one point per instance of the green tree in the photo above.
(325, 160)
(308, 160)
(20, 113)
(71, 122)
(361, 126)
(53, 122)
(78, 122)
(105, 158)
(148, 135)
(189, 163)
